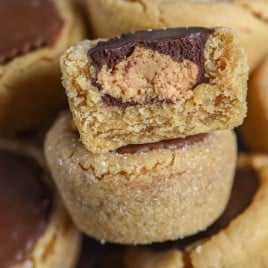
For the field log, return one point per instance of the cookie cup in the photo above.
(59, 243)
(30, 87)
(141, 198)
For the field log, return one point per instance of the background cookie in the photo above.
(128, 90)
(224, 244)
(251, 22)
(254, 130)
(163, 194)
(34, 34)
(34, 228)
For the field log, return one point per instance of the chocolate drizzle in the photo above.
(25, 207)
(27, 25)
(179, 43)
(171, 144)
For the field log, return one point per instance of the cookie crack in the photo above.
(255, 14)
(140, 2)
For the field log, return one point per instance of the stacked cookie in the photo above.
(154, 111)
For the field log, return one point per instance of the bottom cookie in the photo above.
(141, 194)
(35, 230)
(239, 238)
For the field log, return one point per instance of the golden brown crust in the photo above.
(30, 89)
(243, 243)
(252, 25)
(59, 245)
(144, 197)
(254, 130)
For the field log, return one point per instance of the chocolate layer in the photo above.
(245, 185)
(179, 43)
(25, 207)
(27, 25)
(171, 144)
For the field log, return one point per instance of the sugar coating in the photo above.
(218, 104)
(228, 248)
(144, 197)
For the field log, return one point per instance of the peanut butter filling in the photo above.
(150, 66)
(149, 74)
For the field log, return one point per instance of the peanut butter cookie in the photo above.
(254, 130)
(35, 230)
(148, 86)
(144, 193)
(34, 33)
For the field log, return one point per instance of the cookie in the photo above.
(252, 24)
(254, 130)
(149, 86)
(239, 238)
(144, 193)
(34, 33)
(35, 230)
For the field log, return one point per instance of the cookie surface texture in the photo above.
(230, 245)
(132, 197)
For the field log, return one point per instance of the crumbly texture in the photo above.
(30, 89)
(60, 235)
(216, 105)
(254, 130)
(142, 197)
(242, 244)
(252, 24)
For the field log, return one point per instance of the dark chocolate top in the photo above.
(171, 144)
(25, 207)
(180, 43)
(27, 25)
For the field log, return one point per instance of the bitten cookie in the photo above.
(35, 230)
(152, 85)
(34, 33)
(143, 193)
(254, 130)
(251, 24)
(239, 238)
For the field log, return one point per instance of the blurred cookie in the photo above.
(143, 193)
(34, 33)
(239, 238)
(98, 255)
(35, 230)
(254, 130)
(251, 22)
(152, 85)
